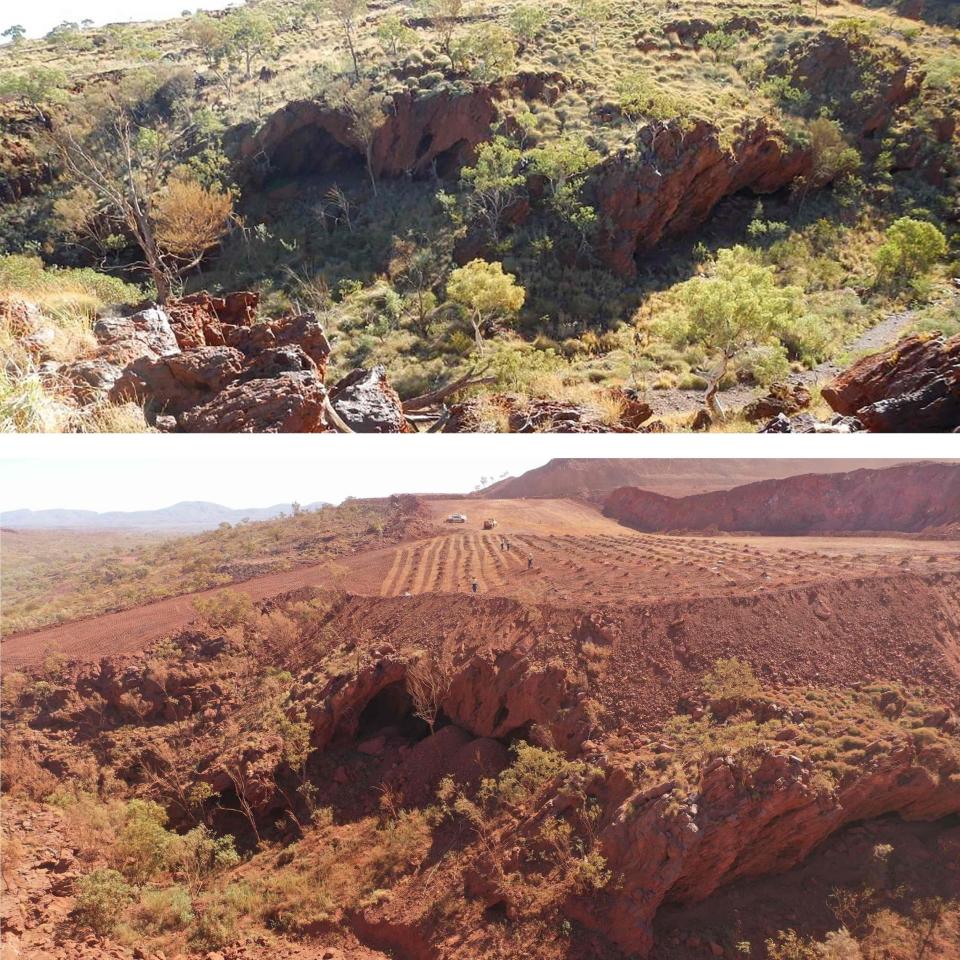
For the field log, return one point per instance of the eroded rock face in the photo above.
(306, 137)
(679, 174)
(862, 86)
(911, 387)
(746, 821)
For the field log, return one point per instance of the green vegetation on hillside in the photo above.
(377, 256)
(96, 574)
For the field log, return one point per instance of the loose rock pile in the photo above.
(209, 364)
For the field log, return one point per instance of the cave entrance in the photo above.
(312, 152)
(391, 707)
(449, 162)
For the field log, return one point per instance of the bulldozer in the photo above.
(489, 524)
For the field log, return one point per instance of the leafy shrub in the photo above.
(225, 609)
(162, 911)
(141, 848)
(197, 855)
(910, 249)
(102, 897)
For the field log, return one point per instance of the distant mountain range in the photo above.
(190, 516)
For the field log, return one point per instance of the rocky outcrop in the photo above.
(677, 175)
(910, 498)
(782, 399)
(290, 403)
(859, 81)
(520, 414)
(911, 387)
(419, 132)
(747, 817)
(210, 364)
(307, 137)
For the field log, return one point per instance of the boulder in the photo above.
(290, 403)
(148, 328)
(90, 380)
(782, 398)
(198, 320)
(303, 330)
(910, 387)
(276, 360)
(175, 384)
(367, 403)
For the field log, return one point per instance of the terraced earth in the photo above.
(561, 552)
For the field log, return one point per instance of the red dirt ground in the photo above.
(580, 560)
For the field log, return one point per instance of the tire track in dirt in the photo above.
(442, 561)
(498, 573)
(476, 557)
(387, 587)
(406, 571)
(426, 571)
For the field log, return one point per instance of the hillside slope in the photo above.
(595, 479)
(910, 498)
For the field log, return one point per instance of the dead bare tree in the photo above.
(428, 682)
(126, 180)
(472, 378)
(241, 789)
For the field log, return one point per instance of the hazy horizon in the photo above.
(145, 472)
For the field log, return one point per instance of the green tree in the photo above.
(210, 36)
(489, 49)
(395, 35)
(831, 157)
(594, 13)
(444, 15)
(250, 34)
(35, 89)
(737, 306)
(15, 33)
(910, 249)
(494, 182)
(563, 164)
(63, 33)
(486, 292)
(527, 21)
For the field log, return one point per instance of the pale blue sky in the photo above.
(40, 15)
(147, 471)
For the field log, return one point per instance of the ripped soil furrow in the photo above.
(426, 571)
(388, 586)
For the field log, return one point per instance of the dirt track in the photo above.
(578, 558)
